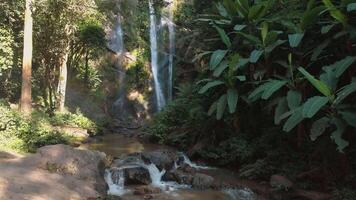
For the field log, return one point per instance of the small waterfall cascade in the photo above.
(116, 188)
(187, 161)
(162, 34)
(115, 177)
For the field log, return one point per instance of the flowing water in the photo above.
(160, 99)
(117, 145)
(171, 31)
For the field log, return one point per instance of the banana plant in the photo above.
(225, 73)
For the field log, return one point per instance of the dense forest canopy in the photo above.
(259, 86)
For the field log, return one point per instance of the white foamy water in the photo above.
(161, 102)
(116, 188)
(187, 161)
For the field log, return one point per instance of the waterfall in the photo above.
(161, 60)
(154, 58)
(171, 31)
(116, 44)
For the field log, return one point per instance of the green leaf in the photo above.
(255, 55)
(222, 10)
(220, 69)
(241, 78)
(216, 58)
(336, 136)
(320, 86)
(313, 105)
(258, 91)
(334, 12)
(349, 117)
(242, 7)
(319, 49)
(310, 17)
(342, 65)
(253, 39)
(319, 127)
(293, 120)
(221, 105)
(271, 47)
(224, 37)
(271, 87)
(264, 31)
(327, 28)
(242, 62)
(351, 7)
(239, 27)
(295, 39)
(345, 92)
(212, 108)
(294, 99)
(210, 85)
(329, 78)
(232, 97)
(281, 108)
(230, 6)
(256, 11)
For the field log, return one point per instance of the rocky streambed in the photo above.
(168, 174)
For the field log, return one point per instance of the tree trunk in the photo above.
(62, 82)
(25, 102)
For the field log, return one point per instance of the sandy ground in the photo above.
(21, 179)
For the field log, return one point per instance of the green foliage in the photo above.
(75, 120)
(24, 135)
(258, 31)
(230, 151)
(181, 120)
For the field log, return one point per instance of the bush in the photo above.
(26, 135)
(74, 119)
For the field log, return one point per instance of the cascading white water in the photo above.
(116, 44)
(115, 188)
(187, 161)
(154, 58)
(171, 31)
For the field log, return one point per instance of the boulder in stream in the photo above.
(202, 181)
(163, 159)
(137, 176)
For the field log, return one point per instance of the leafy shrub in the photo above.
(235, 149)
(284, 56)
(183, 115)
(26, 135)
(74, 119)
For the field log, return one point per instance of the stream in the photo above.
(131, 155)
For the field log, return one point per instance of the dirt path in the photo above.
(22, 179)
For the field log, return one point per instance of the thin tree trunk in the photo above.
(62, 83)
(25, 102)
